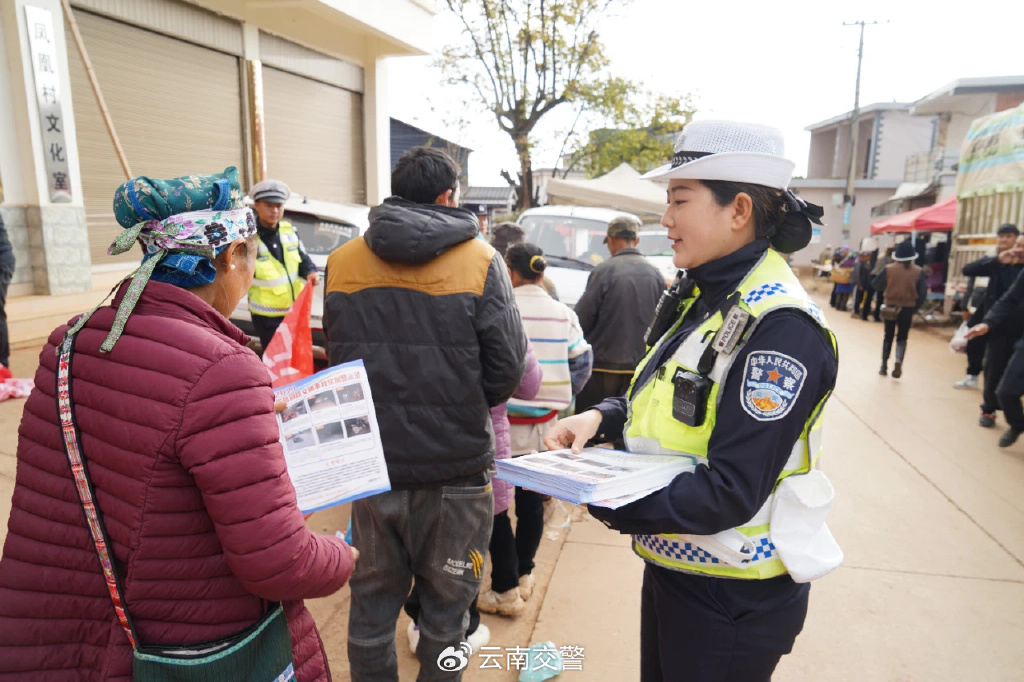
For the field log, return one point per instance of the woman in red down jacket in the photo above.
(178, 430)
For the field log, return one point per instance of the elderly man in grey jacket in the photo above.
(615, 311)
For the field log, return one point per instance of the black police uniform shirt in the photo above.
(746, 454)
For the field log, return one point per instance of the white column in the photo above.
(51, 239)
(376, 125)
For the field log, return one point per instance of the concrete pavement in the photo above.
(930, 514)
(929, 511)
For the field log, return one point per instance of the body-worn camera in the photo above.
(690, 397)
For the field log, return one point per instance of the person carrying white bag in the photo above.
(739, 368)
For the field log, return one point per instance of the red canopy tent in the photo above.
(936, 218)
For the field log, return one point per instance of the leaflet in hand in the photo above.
(599, 476)
(331, 439)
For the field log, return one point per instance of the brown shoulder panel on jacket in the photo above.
(461, 269)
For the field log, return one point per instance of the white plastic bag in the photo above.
(959, 342)
(798, 529)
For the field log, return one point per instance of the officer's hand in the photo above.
(355, 553)
(573, 431)
(314, 278)
(977, 330)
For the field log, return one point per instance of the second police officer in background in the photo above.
(282, 265)
(741, 365)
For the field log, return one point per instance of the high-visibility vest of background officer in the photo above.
(282, 264)
(740, 365)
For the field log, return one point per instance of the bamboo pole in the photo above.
(96, 90)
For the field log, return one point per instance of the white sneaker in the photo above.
(969, 381)
(414, 636)
(526, 586)
(506, 603)
(479, 638)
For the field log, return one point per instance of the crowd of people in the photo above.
(154, 527)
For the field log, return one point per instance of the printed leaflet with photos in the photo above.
(331, 439)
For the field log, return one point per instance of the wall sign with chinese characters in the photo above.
(43, 49)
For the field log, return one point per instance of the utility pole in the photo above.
(849, 198)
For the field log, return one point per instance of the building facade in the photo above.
(294, 91)
(887, 135)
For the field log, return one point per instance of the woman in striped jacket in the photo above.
(565, 359)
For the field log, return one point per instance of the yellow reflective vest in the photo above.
(275, 285)
(651, 428)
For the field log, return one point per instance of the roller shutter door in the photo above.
(177, 109)
(314, 137)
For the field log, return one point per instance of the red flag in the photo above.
(289, 355)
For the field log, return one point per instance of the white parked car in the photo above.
(657, 248)
(572, 238)
(322, 226)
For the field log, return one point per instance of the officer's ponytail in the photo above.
(527, 260)
(779, 216)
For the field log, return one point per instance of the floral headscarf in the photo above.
(182, 224)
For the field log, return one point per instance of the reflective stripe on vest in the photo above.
(651, 428)
(270, 294)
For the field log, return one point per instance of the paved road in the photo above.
(929, 511)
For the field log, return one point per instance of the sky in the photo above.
(788, 63)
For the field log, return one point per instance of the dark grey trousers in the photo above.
(439, 537)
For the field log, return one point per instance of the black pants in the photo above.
(997, 355)
(900, 328)
(1011, 388)
(702, 629)
(858, 296)
(512, 554)
(265, 328)
(870, 294)
(602, 385)
(976, 346)
(5, 344)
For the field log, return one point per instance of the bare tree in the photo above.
(524, 58)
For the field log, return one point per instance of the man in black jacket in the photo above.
(1001, 270)
(1004, 314)
(6, 274)
(430, 311)
(615, 311)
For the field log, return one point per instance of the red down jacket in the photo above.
(179, 434)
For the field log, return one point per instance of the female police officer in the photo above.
(740, 366)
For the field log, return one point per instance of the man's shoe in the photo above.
(897, 370)
(526, 586)
(505, 603)
(480, 637)
(969, 381)
(884, 371)
(987, 420)
(1009, 437)
(414, 636)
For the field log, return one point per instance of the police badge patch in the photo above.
(771, 384)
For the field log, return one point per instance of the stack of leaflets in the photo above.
(598, 476)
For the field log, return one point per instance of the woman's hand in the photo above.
(977, 330)
(573, 431)
(355, 553)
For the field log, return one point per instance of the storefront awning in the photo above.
(936, 218)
